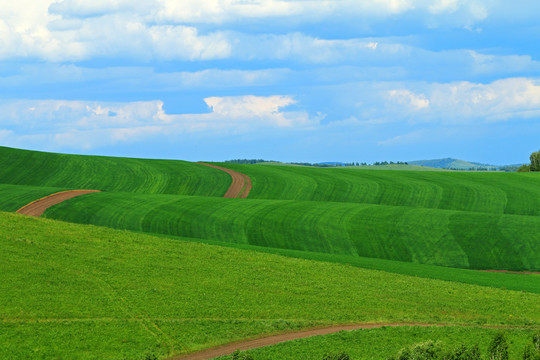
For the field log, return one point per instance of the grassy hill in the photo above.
(13, 197)
(22, 167)
(428, 236)
(509, 193)
(85, 292)
(449, 163)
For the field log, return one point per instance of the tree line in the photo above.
(534, 165)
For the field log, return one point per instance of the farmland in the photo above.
(22, 167)
(97, 293)
(429, 236)
(161, 264)
(500, 193)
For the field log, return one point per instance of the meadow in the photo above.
(428, 236)
(87, 292)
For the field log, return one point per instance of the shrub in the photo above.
(498, 348)
(424, 351)
(336, 356)
(237, 355)
(463, 352)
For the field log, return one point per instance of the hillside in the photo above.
(95, 293)
(428, 236)
(23, 167)
(450, 163)
(508, 193)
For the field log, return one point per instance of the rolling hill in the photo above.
(23, 167)
(86, 292)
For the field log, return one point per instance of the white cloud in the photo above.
(74, 30)
(408, 98)
(466, 102)
(442, 6)
(85, 125)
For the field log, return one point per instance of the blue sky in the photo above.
(299, 80)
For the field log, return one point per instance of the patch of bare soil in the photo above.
(512, 272)
(38, 207)
(241, 184)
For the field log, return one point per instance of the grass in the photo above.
(22, 167)
(385, 342)
(427, 236)
(508, 193)
(506, 281)
(13, 197)
(86, 292)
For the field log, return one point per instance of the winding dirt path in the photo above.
(38, 207)
(228, 349)
(240, 186)
(513, 272)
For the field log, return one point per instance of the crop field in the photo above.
(177, 268)
(508, 193)
(13, 197)
(428, 236)
(97, 293)
(22, 167)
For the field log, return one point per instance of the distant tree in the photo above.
(524, 168)
(535, 161)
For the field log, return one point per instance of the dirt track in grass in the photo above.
(228, 349)
(240, 186)
(38, 207)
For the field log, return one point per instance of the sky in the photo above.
(287, 80)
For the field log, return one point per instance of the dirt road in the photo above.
(275, 339)
(240, 186)
(38, 207)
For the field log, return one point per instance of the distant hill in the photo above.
(457, 164)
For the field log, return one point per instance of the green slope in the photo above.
(84, 292)
(13, 197)
(510, 193)
(449, 163)
(428, 236)
(22, 167)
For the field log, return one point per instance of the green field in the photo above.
(427, 236)
(187, 269)
(22, 167)
(13, 197)
(85, 292)
(508, 193)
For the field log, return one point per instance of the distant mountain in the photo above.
(457, 164)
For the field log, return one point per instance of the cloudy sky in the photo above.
(290, 80)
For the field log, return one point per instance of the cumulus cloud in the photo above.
(75, 30)
(465, 102)
(85, 125)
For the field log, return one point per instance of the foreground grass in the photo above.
(385, 342)
(23, 167)
(84, 292)
(428, 236)
(508, 193)
(510, 281)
